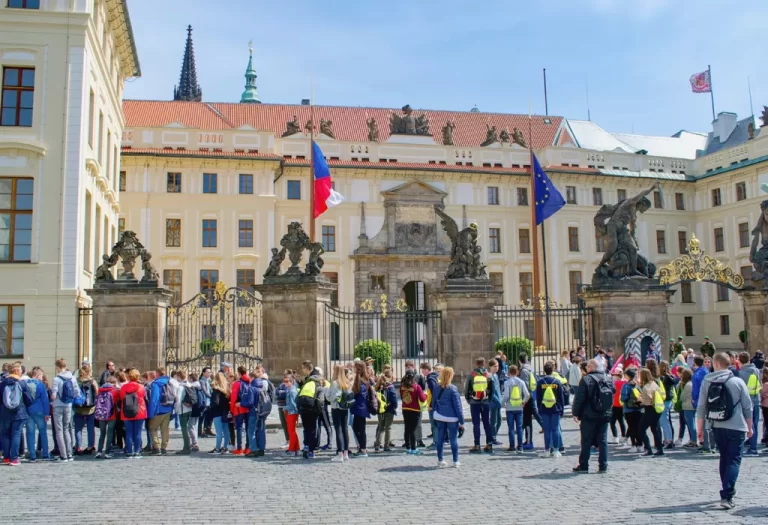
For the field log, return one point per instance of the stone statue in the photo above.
(326, 128)
(504, 136)
(127, 248)
(448, 133)
(150, 274)
(759, 257)
(292, 127)
(373, 130)
(491, 136)
(104, 272)
(518, 138)
(422, 125)
(616, 224)
(309, 126)
(278, 257)
(315, 264)
(751, 130)
(465, 253)
(295, 241)
(408, 124)
(764, 116)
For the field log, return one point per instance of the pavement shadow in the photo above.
(408, 468)
(752, 512)
(679, 509)
(551, 475)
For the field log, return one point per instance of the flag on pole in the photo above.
(325, 196)
(701, 82)
(548, 198)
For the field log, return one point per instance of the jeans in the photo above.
(222, 433)
(201, 422)
(340, 419)
(106, 430)
(730, 443)
(690, 422)
(358, 427)
(11, 432)
(309, 422)
(160, 422)
(666, 422)
(184, 421)
(293, 439)
(257, 431)
(650, 420)
(495, 421)
(88, 421)
(411, 419)
(617, 415)
(755, 425)
(551, 424)
(452, 429)
(192, 427)
(432, 425)
(593, 432)
(37, 422)
(133, 435)
(283, 423)
(240, 422)
(384, 429)
(682, 425)
(62, 424)
(478, 411)
(515, 426)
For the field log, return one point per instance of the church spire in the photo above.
(188, 88)
(250, 95)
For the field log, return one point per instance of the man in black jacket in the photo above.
(592, 410)
(108, 371)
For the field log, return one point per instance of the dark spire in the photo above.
(188, 88)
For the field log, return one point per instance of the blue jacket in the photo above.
(41, 404)
(432, 382)
(155, 389)
(449, 403)
(20, 413)
(257, 383)
(698, 378)
(496, 395)
(559, 405)
(290, 401)
(626, 391)
(360, 408)
(392, 399)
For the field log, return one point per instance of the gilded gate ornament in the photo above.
(696, 266)
(384, 306)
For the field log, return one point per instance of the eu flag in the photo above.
(548, 199)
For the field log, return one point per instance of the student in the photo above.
(411, 395)
(281, 393)
(516, 395)
(617, 410)
(340, 392)
(630, 398)
(162, 398)
(449, 416)
(257, 414)
(63, 392)
(669, 382)
(183, 409)
(478, 393)
(198, 405)
(653, 406)
(432, 379)
(360, 412)
(240, 413)
(292, 416)
(574, 375)
(565, 364)
(493, 370)
(13, 419)
(751, 377)
(309, 404)
(550, 397)
(219, 411)
(87, 389)
(38, 409)
(387, 410)
(530, 409)
(687, 408)
(204, 422)
(105, 413)
(133, 412)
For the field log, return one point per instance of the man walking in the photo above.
(724, 400)
(751, 377)
(592, 407)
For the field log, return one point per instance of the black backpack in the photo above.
(720, 405)
(601, 400)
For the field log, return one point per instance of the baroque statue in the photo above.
(295, 241)
(764, 117)
(104, 272)
(518, 138)
(128, 249)
(273, 270)
(150, 274)
(373, 130)
(615, 223)
(504, 136)
(758, 252)
(408, 124)
(465, 252)
(292, 127)
(326, 128)
(491, 136)
(448, 133)
(315, 264)
(309, 126)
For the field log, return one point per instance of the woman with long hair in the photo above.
(387, 410)
(340, 388)
(220, 392)
(648, 390)
(670, 382)
(687, 408)
(133, 412)
(360, 412)
(448, 414)
(411, 395)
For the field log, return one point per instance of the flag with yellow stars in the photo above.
(546, 196)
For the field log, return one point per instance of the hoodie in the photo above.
(182, 405)
(557, 388)
(744, 373)
(20, 413)
(155, 392)
(258, 383)
(698, 378)
(511, 382)
(233, 399)
(468, 392)
(360, 408)
(742, 410)
(108, 387)
(38, 396)
(58, 381)
(432, 382)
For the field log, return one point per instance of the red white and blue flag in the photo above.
(701, 82)
(325, 196)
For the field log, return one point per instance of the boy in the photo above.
(493, 370)
(516, 395)
(478, 392)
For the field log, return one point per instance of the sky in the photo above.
(626, 63)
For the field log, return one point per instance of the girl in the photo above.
(449, 416)
(689, 412)
(650, 419)
(133, 412)
(107, 420)
(565, 363)
(632, 409)
(617, 411)
(387, 416)
(220, 412)
(360, 413)
(411, 394)
(340, 416)
(84, 413)
(670, 382)
(574, 375)
(291, 415)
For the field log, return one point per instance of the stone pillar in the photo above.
(755, 318)
(467, 319)
(621, 309)
(292, 307)
(129, 325)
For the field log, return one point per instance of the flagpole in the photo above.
(538, 335)
(546, 103)
(711, 91)
(311, 163)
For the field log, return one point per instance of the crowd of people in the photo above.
(232, 406)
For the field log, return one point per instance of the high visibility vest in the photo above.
(479, 386)
(548, 399)
(382, 395)
(658, 402)
(308, 390)
(753, 385)
(662, 389)
(515, 397)
(560, 378)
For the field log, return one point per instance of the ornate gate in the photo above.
(214, 327)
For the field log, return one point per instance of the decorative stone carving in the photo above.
(465, 252)
(504, 136)
(764, 116)
(273, 270)
(448, 133)
(408, 124)
(695, 266)
(295, 241)
(127, 249)
(491, 136)
(326, 128)
(315, 264)
(373, 130)
(759, 257)
(150, 274)
(615, 223)
(518, 138)
(292, 127)
(104, 272)
(309, 127)
(751, 130)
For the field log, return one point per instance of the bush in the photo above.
(380, 351)
(513, 347)
(209, 346)
(743, 337)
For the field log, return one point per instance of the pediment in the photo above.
(415, 188)
(246, 127)
(175, 125)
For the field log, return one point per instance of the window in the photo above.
(719, 241)
(24, 4)
(679, 201)
(497, 281)
(526, 287)
(688, 322)
(123, 181)
(245, 233)
(377, 283)
(18, 96)
(329, 238)
(208, 280)
(100, 138)
(682, 243)
(597, 196)
(11, 330)
(120, 226)
(743, 235)
(741, 191)
(574, 283)
(16, 219)
(493, 195)
(529, 329)
(246, 184)
(685, 292)
(746, 271)
(294, 190)
(246, 279)
(172, 281)
(716, 201)
(209, 183)
(494, 236)
(573, 239)
(621, 195)
(209, 233)
(661, 241)
(524, 240)
(657, 200)
(174, 183)
(245, 334)
(599, 242)
(334, 278)
(570, 194)
(522, 196)
(91, 108)
(87, 234)
(725, 325)
(722, 293)
(173, 233)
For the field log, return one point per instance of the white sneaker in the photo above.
(557, 454)
(337, 459)
(457, 464)
(679, 443)
(284, 445)
(442, 464)
(544, 454)
(639, 450)
(613, 441)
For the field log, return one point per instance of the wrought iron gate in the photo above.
(222, 325)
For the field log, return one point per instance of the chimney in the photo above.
(724, 125)
(305, 102)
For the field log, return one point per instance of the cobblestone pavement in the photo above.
(391, 488)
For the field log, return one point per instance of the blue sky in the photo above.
(636, 55)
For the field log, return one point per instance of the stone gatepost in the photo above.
(467, 307)
(292, 320)
(755, 318)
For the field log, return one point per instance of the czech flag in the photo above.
(325, 196)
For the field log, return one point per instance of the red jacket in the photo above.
(411, 397)
(236, 411)
(115, 398)
(129, 388)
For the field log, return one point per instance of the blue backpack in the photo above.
(13, 396)
(247, 395)
(67, 392)
(199, 406)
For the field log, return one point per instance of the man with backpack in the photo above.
(478, 392)
(530, 409)
(13, 413)
(592, 408)
(162, 398)
(309, 404)
(259, 407)
(550, 398)
(725, 402)
(751, 377)
(63, 392)
(240, 413)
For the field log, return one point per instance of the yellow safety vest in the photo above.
(658, 402)
(560, 378)
(548, 399)
(515, 397)
(753, 385)
(308, 390)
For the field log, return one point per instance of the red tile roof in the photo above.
(349, 123)
(565, 138)
(171, 152)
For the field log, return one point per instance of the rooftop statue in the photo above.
(518, 138)
(292, 127)
(491, 136)
(373, 130)
(408, 124)
(326, 128)
(448, 133)
(504, 136)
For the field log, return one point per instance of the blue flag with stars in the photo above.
(548, 198)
